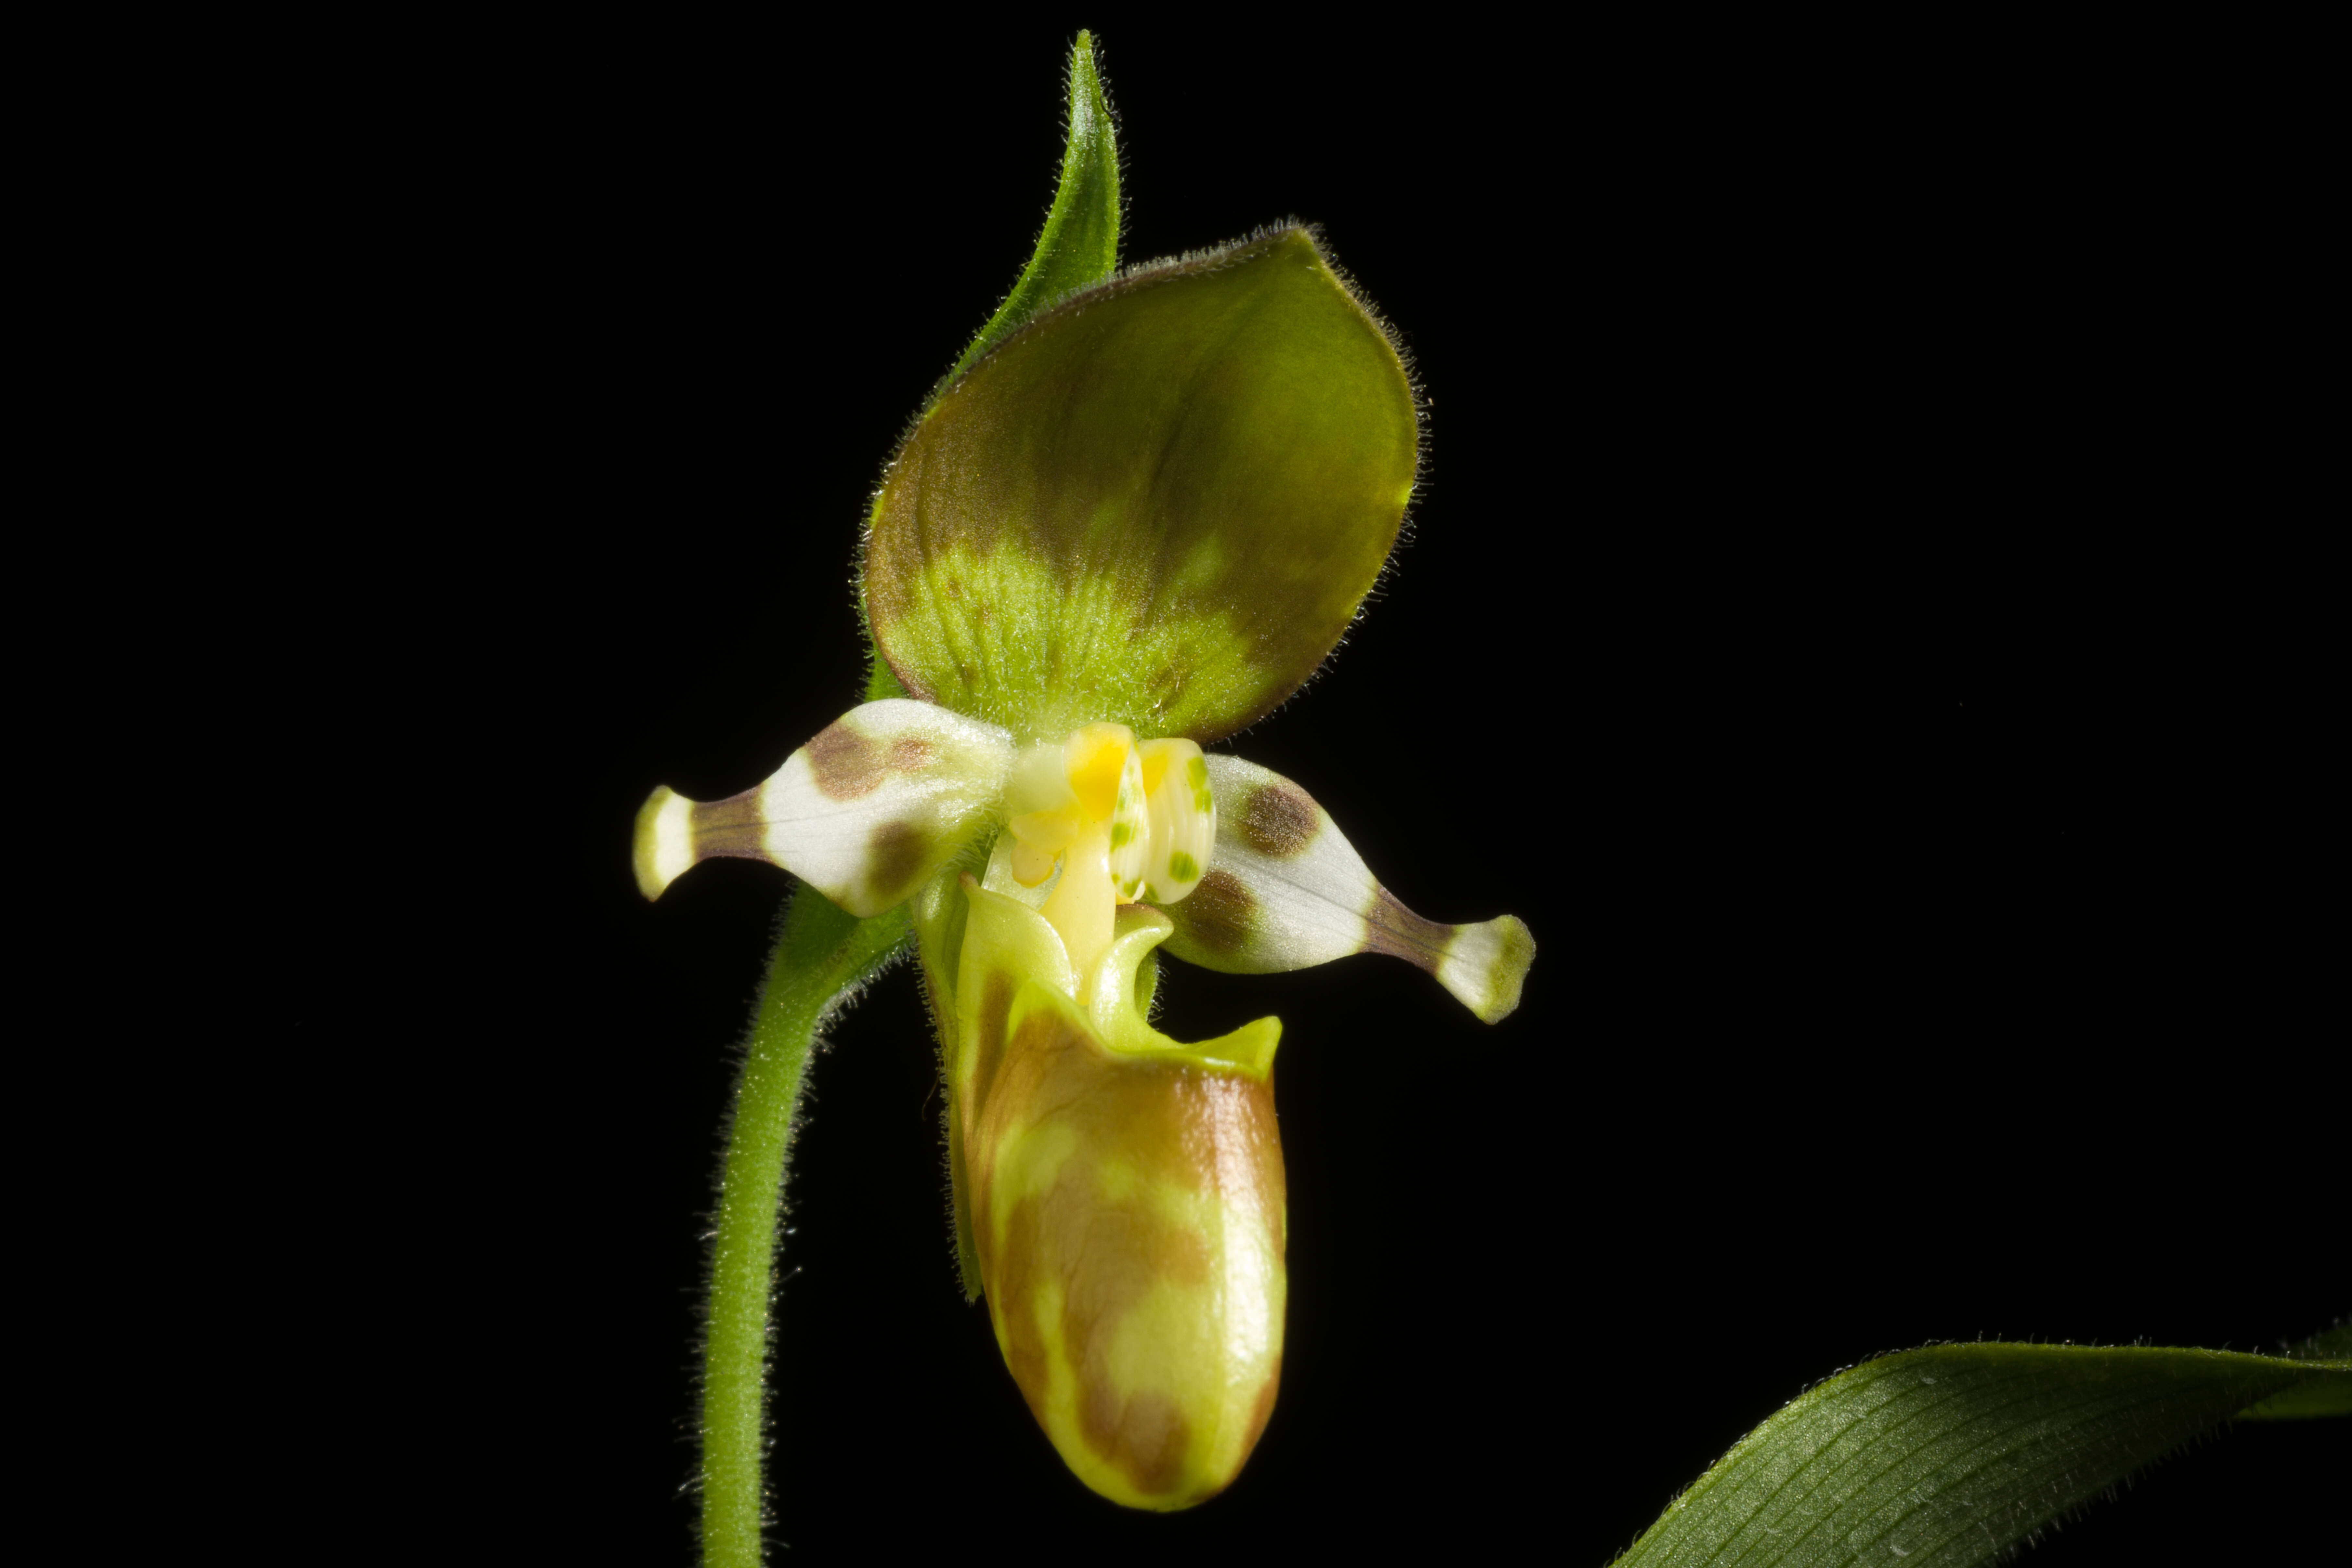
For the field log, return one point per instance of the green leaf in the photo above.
(1953, 1454)
(1160, 503)
(2321, 1395)
(1079, 245)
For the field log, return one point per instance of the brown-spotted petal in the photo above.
(1159, 503)
(877, 803)
(1127, 1206)
(1286, 890)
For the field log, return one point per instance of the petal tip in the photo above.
(665, 841)
(1487, 964)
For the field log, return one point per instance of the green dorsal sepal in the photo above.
(1160, 503)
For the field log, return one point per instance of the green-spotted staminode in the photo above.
(1138, 515)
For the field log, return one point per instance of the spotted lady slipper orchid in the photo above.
(1130, 528)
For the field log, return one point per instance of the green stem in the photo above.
(821, 957)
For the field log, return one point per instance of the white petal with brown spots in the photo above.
(1287, 890)
(882, 798)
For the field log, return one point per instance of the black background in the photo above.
(1837, 619)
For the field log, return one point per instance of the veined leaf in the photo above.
(2320, 1395)
(1079, 243)
(1952, 1453)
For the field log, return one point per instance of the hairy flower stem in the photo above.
(822, 956)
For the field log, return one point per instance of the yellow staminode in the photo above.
(1122, 822)
(1096, 756)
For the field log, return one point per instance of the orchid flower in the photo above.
(1136, 518)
